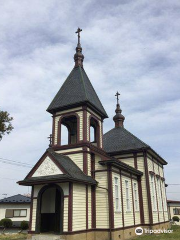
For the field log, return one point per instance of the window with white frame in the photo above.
(159, 194)
(136, 204)
(117, 194)
(128, 208)
(153, 193)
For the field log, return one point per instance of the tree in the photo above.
(5, 123)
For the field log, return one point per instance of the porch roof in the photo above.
(59, 178)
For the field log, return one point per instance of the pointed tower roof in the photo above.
(77, 89)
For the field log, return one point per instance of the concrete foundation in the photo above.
(122, 234)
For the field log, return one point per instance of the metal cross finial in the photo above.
(117, 95)
(50, 140)
(78, 32)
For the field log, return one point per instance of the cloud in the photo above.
(129, 46)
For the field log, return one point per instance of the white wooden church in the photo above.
(98, 187)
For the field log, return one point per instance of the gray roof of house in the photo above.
(72, 171)
(16, 199)
(120, 139)
(77, 89)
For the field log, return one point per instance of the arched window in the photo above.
(94, 132)
(64, 135)
(69, 130)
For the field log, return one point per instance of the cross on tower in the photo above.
(117, 95)
(78, 32)
(50, 140)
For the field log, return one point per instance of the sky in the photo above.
(131, 46)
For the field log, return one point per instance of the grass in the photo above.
(163, 236)
(22, 236)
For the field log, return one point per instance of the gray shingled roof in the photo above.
(73, 172)
(119, 139)
(16, 199)
(77, 89)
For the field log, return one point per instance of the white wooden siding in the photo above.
(80, 114)
(65, 220)
(79, 207)
(77, 158)
(89, 208)
(128, 161)
(33, 227)
(102, 213)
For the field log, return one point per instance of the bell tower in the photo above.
(77, 107)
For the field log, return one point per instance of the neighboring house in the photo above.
(17, 208)
(173, 209)
(97, 186)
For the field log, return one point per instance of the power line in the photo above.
(173, 184)
(15, 163)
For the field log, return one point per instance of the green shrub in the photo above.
(6, 222)
(24, 225)
(175, 219)
(0, 223)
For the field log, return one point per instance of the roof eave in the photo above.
(56, 109)
(121, 166)
(148, 148)
(31, 182)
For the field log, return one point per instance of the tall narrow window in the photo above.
(159, 194)
(127, 196)
(69, 130)
(153, 193)
(136, 205)
(117, 193)
(94, 131)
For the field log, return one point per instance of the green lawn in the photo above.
(163, 236)
(13, 236)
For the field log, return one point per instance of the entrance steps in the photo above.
(47, 237)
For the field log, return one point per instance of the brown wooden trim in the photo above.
(110, 198)
(84, 124)
(122, 199)
(93, 148)
(132, 188)
(37, 165)
(148, 188)
(161, 194)
(69, 112)
(141, 206)
(102, 133)
(85, 163)
(53, 131)
(135, 161)
(31, 208)
(156, 191)
(86, 206)
(70, 207)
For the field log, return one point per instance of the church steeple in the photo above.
(118, 118)
(78, 56)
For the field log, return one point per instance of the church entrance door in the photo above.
(50, 210)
